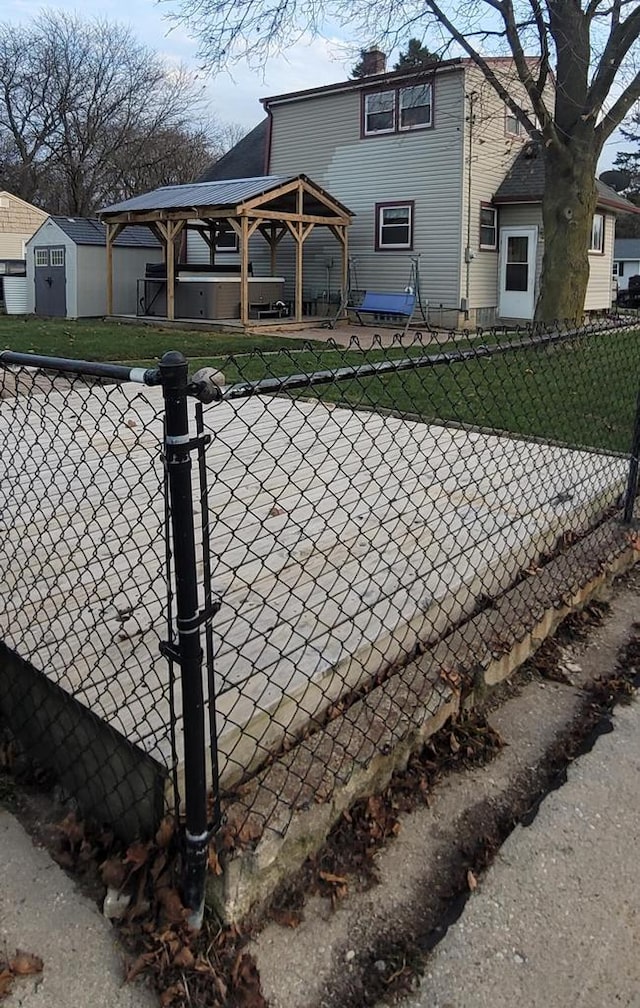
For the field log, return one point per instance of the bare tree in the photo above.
(88, 114)
(574, 60)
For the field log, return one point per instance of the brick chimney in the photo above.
(374, 61)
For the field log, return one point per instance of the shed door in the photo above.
(517, 272)
(51, 281)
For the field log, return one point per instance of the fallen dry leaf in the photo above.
(332, 879)
(173, 911)
(137, 854)
(214, 861)
(184, 958)
(472, 881)
(453, 742)
(113, 872)
(25, 963)
(287, 918)
(6, 983)
(172, 995)
(139, 965)
(165, 832)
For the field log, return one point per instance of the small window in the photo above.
(42, 257)
(226, 240)
(415, 107)
(394, 228)
(512, 125)
(615, 270)
(621, 269)
(57, 257)
(380, 112)
(597, 234)
(488, 227)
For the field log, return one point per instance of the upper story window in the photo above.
(512, 125)
(398, 109)
(380, 112)
(394, 226)
(597, 234)
(415, 107)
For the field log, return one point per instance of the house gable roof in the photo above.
(525, 181)
(626, 248)
(90, 231)
(371, 80)
(246, 160)
(5, 194)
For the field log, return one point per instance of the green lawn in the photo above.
(582, 392)
(112, 341)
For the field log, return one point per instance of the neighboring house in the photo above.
(626, 260)
(66, 267)
(18, 221)
(434, 166)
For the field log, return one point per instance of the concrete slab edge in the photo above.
(288, 810)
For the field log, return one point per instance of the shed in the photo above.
(67, 266)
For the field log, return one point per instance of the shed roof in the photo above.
(525, 182)
(246, 160)
(626, 248)
(90, 231)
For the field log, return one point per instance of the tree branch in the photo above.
(618, 111)
(522, 67)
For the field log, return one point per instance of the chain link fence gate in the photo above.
(289, 542)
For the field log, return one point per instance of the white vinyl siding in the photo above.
(486, 161)
(599, 293)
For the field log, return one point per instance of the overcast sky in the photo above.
(232, 96)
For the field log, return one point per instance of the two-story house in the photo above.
(435, 168)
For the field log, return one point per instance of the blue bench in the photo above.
(386, 305)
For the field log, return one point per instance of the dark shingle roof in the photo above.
(247, 159)
(226, 193)
(89, 231)
(626, 248)
(525, 180)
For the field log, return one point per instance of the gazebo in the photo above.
(273, 206)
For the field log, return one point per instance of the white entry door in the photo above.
(517, 267)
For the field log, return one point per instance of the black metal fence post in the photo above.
(632, 479)
(188, 655)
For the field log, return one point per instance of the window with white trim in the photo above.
(415, 107)
(394, 226)
(380, 112)
(42, 257)
(488, 227)
(57, 257)
(512, 125)
(596, 243)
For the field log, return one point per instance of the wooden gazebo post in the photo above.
(113, 230)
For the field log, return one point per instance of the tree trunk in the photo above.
(568, 205)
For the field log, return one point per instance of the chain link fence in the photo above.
(312, 520)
